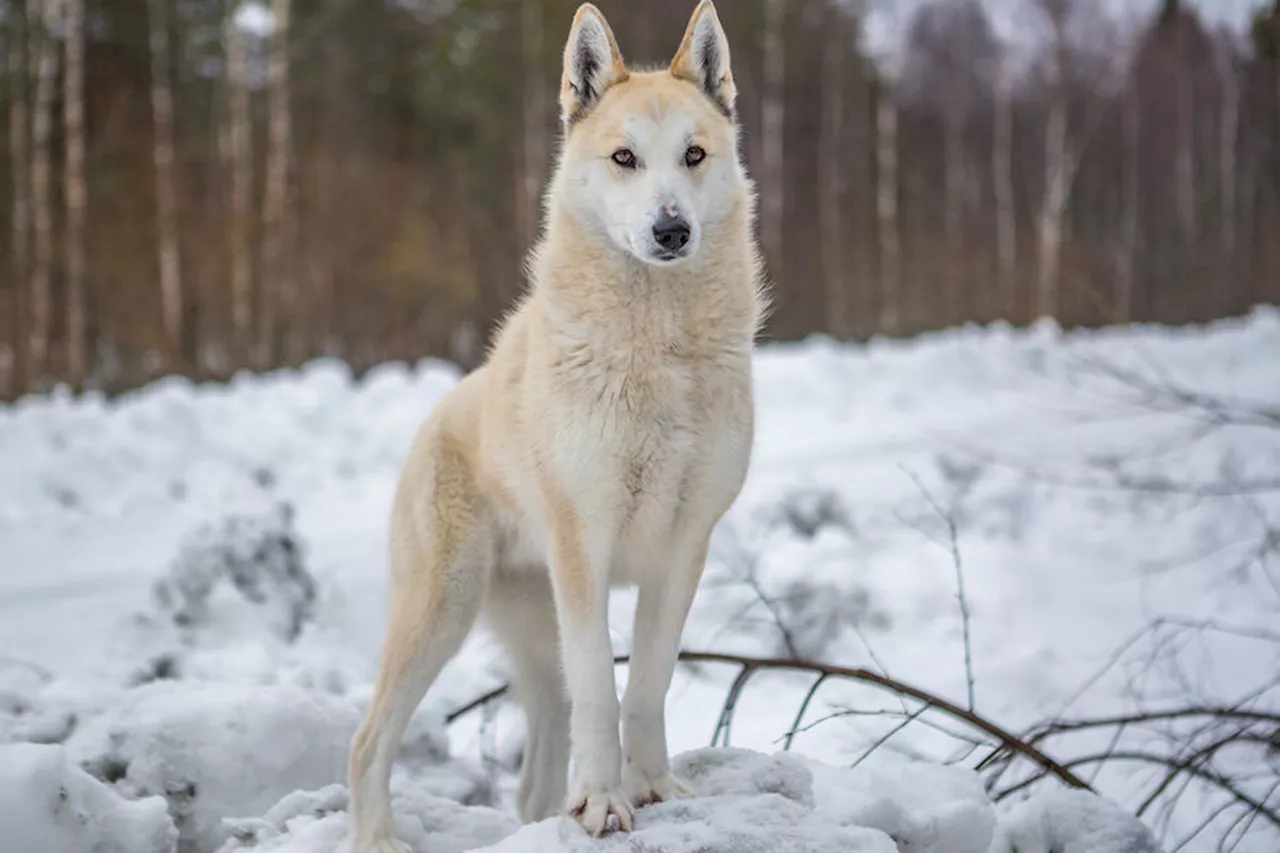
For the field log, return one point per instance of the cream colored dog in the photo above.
(605, 436)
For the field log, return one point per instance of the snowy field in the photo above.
(192, 582)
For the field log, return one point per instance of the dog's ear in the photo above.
(592, 63)
(703, 57)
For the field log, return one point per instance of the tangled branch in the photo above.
(749, 666)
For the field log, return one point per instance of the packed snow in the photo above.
(192, 583)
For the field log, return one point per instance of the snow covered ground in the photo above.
(172, 678)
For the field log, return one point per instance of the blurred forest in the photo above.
(199, 186)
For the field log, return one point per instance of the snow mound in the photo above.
(214, 749)
(182, 767)
(316, 822)
(49, 805)
(746, 803)
(261, 558)
(925, 808)
(1070, 821)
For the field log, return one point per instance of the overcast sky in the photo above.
(1015, 20)
(1018, 21)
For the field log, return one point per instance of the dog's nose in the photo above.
(671, 230)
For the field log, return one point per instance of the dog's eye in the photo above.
(694, 155)
(624, 158)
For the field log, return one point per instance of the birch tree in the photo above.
(239, 155)
(831, 184)
(279, 304)
(1053, 205)
(887, 225)
(76, 199)
(1131, 168)
(166, 192)
(534, 151)
(1228, 135)
(953, 118)
(1006, 231)
(888, 233)
(772, 128)
(46, 60)
(20, 220)
(1185, 174)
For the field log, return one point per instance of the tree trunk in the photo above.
(1228, 134)
(76, 194)
(953, 196)
(1127, 255)
(1185, 176)
(1053, 203)
(534, 153)
(1006, 217)
(42, 127)
(240, 157)
(166, 191)
(890, 316)
(278, 320)
(771, 135)
(1052, 206)
(833, 273)
(19, 153)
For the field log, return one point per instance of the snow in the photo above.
(1069, 821)
(48, 804)
(192, 583)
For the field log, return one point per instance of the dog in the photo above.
(605, 434)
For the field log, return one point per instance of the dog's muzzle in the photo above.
(671, 232)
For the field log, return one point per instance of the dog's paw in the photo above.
(381, 844)
(644, 790)
(600, 811)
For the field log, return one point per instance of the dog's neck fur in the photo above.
(595, 294)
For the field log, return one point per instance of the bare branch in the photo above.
(949, 520)
(749, 665)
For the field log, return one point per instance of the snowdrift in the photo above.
(192, 598)
(746, 802)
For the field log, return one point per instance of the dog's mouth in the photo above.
(657, 256)
(662, 257)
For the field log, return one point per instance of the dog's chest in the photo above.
(657, 435)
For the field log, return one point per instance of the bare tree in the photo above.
(240, 156)
(166, 191)
(19, 154)
(279, 287)
(1228, 132)
(1002, 184)
(833, 85)
(953, 121)
(771, 134)
(46, 59)
(76, 195)
(1053, 204)
(1185, 172)
(1127, 249)
(887, 209)
(534, 152)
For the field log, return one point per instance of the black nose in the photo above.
(671, 232)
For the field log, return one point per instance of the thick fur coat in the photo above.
(604, 437)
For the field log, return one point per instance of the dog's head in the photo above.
(650, 158)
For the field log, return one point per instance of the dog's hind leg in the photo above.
(521, 612)
(441, 559)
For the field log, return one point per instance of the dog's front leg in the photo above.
(661, 610)
(580, 578)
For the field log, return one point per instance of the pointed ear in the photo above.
(592, 63)
(703, 57)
